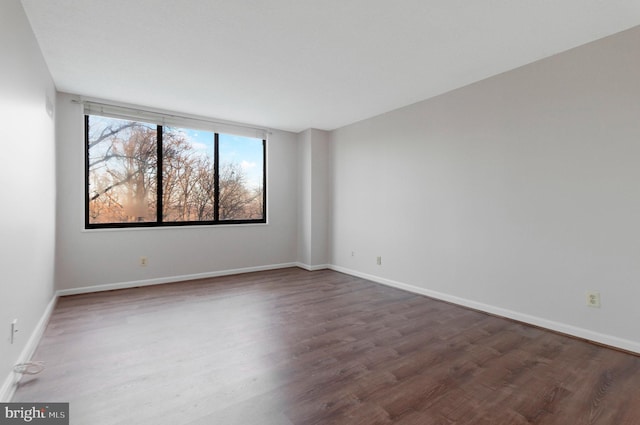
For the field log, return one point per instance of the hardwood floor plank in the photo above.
(291, 347)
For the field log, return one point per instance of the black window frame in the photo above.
(159, 188)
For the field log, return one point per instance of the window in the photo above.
(141, 174)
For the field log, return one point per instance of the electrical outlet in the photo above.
(14, 330)
(144, 261)
(353, 253)
(379, 261)
(593, 299)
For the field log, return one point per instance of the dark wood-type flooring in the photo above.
(295, 347)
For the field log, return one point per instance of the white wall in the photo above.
(101, 257)
(27, 189)
(304, 199)
(321, 200)
(515, 195)
(314, 198)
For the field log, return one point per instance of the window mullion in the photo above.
(159, 175)
(216, 179)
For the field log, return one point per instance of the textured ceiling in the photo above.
(297, 64)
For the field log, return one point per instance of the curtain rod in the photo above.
(168, 115)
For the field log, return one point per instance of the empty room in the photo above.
(320, 212)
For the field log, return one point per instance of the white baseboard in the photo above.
(312, 268)
(9, 386)
(564, 328)
(170, 279)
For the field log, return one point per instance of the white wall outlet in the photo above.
(144, 261)
(379, 261)
(14, 330)
(353, 253)
(593, 299)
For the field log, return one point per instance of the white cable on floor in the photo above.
(29, 368)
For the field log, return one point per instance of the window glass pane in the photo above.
(188, 175)
(241, 178)
(122, 158)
